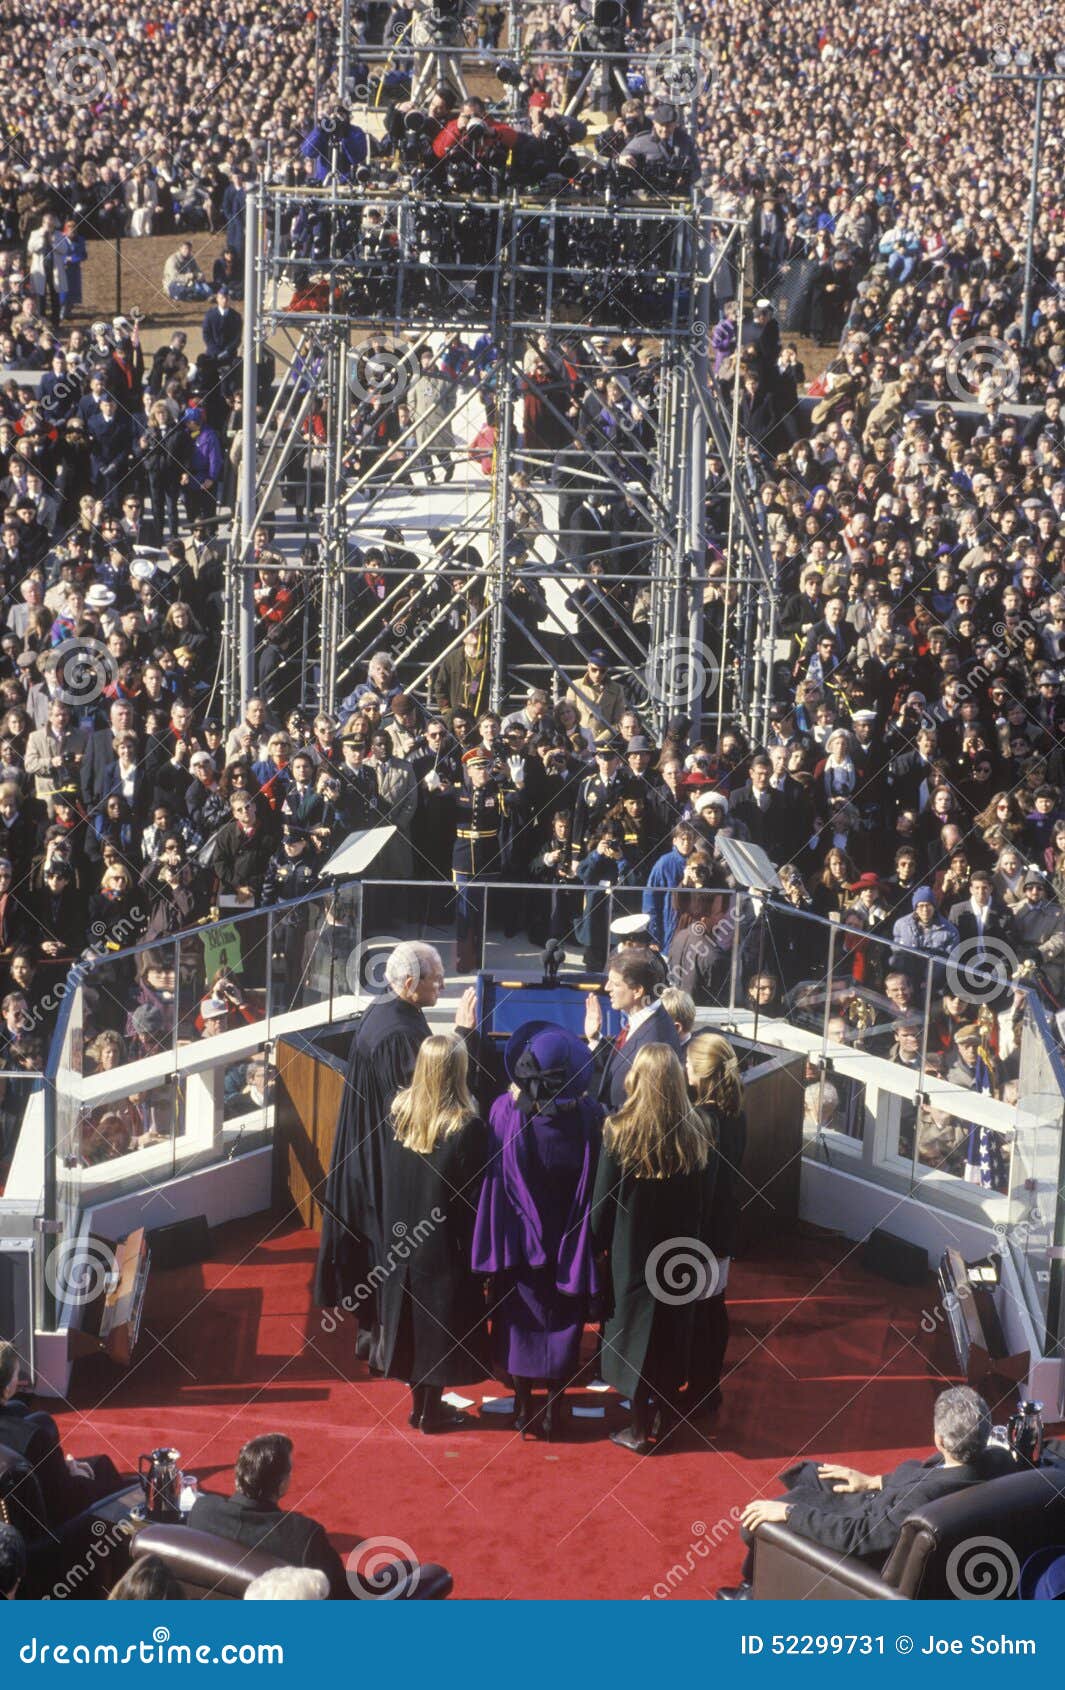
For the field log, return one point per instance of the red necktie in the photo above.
(619, 1042)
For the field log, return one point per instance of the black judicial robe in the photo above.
(381, 1063)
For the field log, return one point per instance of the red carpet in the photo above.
(825, 1360)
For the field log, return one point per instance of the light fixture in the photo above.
(1022, 59)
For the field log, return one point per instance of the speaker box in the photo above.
(180, 1244)
(893, 1258)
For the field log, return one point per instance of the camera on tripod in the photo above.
(438, 23)
(606, 31)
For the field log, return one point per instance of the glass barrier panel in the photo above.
(16, 1089)
(1036, 1165)
(68, 1065)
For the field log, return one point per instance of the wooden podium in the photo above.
(310, 1085)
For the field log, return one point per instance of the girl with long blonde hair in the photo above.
(430, 1305)
(717, 1089)
(653, 1187)
(437, 1103)
(656, 1132)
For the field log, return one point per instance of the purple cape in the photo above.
(509, 1231)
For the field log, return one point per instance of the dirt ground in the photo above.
(141, 283)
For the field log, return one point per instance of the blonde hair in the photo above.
(679, 1006)
(437, 1102)
(716, 1068)
(656, 1132)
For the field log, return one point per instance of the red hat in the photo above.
(864, 882)
(477, 757)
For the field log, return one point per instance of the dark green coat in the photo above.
(431, 1304)
(644, 1337)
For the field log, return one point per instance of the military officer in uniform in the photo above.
(598, 794)
(292, 873)
(480, 814)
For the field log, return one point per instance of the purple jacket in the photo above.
(205, 460)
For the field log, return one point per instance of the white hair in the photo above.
(409, 961)
(288, 1584)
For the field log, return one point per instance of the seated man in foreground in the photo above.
(253, 1517)
(67, 1486)
(854, 1513)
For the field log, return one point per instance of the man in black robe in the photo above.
(383, 1053)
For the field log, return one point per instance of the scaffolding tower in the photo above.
(346, 285)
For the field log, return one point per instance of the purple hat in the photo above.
(923, 895)
(547, 1064)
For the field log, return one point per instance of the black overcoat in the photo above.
(431, 1304)
(646, 1225)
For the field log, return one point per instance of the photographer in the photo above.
(414, 128)
(475, 133)
(664, 157)
(632, 122)
(339, 147)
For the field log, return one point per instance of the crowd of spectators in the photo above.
(916, 539)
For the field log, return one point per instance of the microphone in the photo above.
(551, 960)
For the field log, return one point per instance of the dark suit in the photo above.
(768, 828)
(658, 1029)
(293, 1538)
(998, 927)
(35, 1436)
(867, 1523)
(221, 334)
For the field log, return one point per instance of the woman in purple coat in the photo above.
(532, 1232)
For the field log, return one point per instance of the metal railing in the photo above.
(887, 1104)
